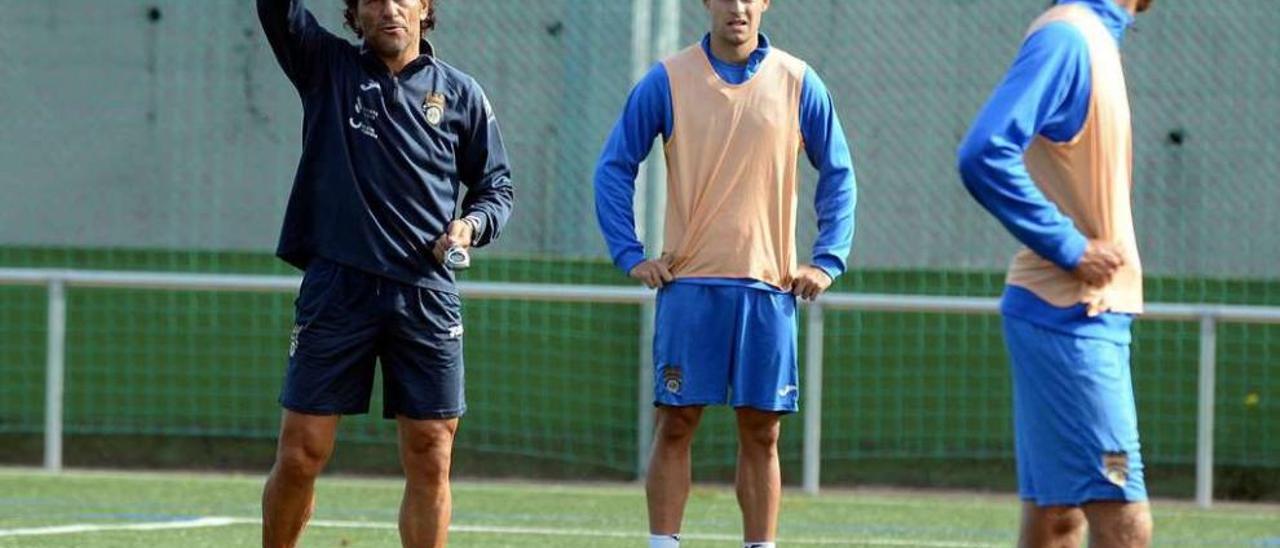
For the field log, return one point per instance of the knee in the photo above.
(759, 432)
(676, 425)
(1066, 524)
(428, 453)
(300, 461)
(1054, 526)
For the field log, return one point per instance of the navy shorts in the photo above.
(348, 319)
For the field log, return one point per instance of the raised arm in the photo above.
(296, 38)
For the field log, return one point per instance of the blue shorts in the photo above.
(1075, 423)
(347, 319)
(718, 344)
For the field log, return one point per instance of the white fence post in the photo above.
(55, 370)
(641, 46)
(644, 397)
(1204, 419)
(812, 474)
(654, 35)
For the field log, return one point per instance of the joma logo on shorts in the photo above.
(293, 338)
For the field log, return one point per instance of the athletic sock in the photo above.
(664, 541)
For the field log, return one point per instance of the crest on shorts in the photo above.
(433, 108)
(672, 379)
(1116, 465)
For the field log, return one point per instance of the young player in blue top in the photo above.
(1050, 156)
(734, 113)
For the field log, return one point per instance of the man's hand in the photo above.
(459, 234)
(809, 282)
(652, 273)
(1099, 263)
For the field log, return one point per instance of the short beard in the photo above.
(385, 48)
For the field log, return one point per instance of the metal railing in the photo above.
(57, 282)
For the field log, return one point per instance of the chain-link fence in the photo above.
(168, 124)
(162, 135)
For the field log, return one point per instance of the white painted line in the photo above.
(96, 527)
(223, 521)
(881, 497)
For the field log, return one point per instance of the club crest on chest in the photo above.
(433, 108)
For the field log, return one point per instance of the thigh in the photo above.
(331, 348)
(765, 372)
(694, 327)
(421, 353)
(1074, 416)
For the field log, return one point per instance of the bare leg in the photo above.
(759, 478)
(1051, 526)
(426, 453)
(669, 480)
(306, 442)
(1119, 524)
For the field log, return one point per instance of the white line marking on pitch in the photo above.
(95, 527)
(627, 534)
(222, 521)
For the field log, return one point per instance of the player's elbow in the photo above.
(599, 179)
(969, 156)
(973, 159)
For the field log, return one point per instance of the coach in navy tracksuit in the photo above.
(390, 136)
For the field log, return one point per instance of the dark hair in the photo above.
(349, 13)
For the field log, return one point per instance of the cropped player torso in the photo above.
(732, 159)
(1089, 179)
(379, 178)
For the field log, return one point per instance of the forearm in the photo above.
(615, 214)
(836, 195)
(489, 205)
(1004, 189)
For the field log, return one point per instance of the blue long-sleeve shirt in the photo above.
(1045, 92)
(648, 113)
(384, 156)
